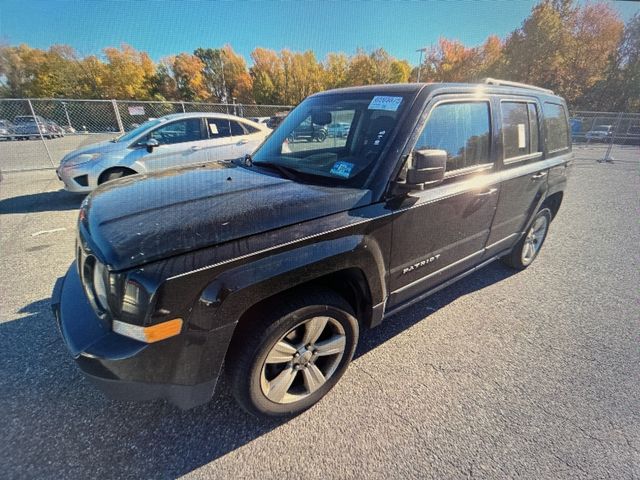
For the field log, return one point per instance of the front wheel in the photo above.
(290, 358)
(527, 249)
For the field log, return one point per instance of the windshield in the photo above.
(25, 120)
(338, 137)
(137, 131)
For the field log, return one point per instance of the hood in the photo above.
(143, 218)
(100, 147)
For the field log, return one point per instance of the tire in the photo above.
(289, 383)
(114, 174)
(527, 249)
(320, 136)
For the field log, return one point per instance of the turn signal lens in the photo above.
(151, 334)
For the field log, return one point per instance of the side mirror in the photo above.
(428, 167)
(151, 144)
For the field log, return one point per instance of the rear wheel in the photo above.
(527, 249)
(320, 136)
(288, 360)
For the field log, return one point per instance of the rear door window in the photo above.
(555, 126)
(221, 128)
(218, 128)
(249, 128)
(463, 130)
(519, 130)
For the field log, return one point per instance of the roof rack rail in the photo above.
(507, 83)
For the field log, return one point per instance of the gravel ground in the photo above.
(502, 375)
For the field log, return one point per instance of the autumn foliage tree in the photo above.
(582, 51)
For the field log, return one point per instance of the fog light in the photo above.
(151, 334)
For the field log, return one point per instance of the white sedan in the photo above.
(170, 141)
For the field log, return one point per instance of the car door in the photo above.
(180, 143)
(250, 139)
(442, 231)
(225, 139)
(524, 186)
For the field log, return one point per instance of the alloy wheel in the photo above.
(303, 359)
(535, 237)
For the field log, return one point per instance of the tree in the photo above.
(619, 89)
(189, 77)
(164, 85)
(376, 67)
(361, 71)
(19, 68)
(302, 75)
(336, 68)
(268, 76)
(563, 47)
(237, 79)
(128, 74)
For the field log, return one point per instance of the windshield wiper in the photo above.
(284, 171)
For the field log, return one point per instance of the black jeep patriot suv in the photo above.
(271, 266)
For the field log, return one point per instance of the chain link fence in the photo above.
(606, 135)
(37, 133)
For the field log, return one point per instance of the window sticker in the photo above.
(213, 128)
(342, 169)
(381, 102)
(522, 140)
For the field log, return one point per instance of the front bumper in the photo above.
(76, 180)
(183, 369)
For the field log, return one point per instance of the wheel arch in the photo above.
(107, 171)
(351, 266)
(553, 202)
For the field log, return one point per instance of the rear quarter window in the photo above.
(555, 125)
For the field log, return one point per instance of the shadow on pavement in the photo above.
(42, 202)
(58, 425)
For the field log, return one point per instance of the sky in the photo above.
(163, 28)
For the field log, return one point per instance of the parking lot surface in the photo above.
(531, 374)
(37, 154)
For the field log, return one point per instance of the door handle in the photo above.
(195, 148)
(486, 193)
(538, 176)
(244, 141)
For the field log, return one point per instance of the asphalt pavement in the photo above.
(35, 154)
(503, 375)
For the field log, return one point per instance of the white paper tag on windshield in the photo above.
(522, 140)
(213, 128)
(381, 102)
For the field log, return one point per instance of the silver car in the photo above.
(173, 140)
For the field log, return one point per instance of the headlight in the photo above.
(100, 286)
(82, 158)
(135, 299)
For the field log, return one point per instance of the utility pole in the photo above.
(421, 50)
(224, 84)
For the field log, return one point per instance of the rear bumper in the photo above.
(183, 369)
